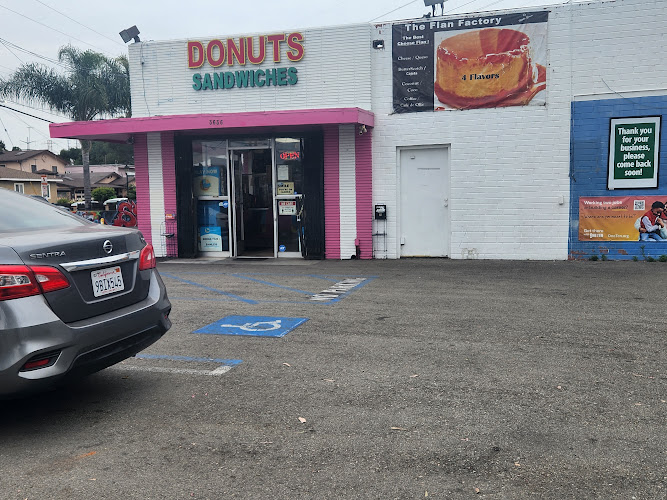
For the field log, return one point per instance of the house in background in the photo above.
(28, 183)
(120, 169)
(72, 183)
(38, 161)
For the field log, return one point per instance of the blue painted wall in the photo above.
(588, 170)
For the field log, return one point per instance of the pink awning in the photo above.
(121, 129)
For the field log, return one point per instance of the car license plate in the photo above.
(106, 281)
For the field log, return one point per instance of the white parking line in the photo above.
(221, 370)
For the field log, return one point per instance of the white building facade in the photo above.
(447, 137)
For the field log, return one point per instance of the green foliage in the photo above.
(593, 257)
(102, 153)
(3, 148)
(604, 257)
(91, 86)
(650, 259)
(63, 202)
(662, 258)
(635, 258)
(102, 194)
(132, 192)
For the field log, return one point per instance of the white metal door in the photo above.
(424, 213)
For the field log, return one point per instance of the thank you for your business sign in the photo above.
(236, 62)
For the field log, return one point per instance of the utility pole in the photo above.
(27, 143)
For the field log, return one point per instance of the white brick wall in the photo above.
(334, 73)
(510, 166)
(348, 196)
(156, 181)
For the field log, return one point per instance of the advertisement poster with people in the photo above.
(626, 218)
(470, 63)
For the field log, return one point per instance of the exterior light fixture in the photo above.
(129, 34)
(433, 3)
(378, 44)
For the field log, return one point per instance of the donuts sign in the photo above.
(237, 54)
(470, 63)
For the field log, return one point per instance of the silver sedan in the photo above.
(75, 297)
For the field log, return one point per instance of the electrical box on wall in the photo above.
(380, 212)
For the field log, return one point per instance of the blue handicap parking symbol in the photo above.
(256, 326)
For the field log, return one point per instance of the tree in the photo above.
(92, 86)
(3, 148)
(103, 194)
(102, 153)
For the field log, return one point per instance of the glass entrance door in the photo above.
(210, 187)
(253, 200)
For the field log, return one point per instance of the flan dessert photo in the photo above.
(487, 68)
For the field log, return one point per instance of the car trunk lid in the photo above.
(100, 262)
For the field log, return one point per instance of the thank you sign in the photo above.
(633, 152)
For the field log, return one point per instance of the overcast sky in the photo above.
(42, 26)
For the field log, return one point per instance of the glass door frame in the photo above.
(231, 178)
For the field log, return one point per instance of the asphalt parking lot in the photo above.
(368, 379)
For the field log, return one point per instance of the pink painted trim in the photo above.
(143, 186)
(169, 183)
(122, 128)
(331, 193)
(364, 188)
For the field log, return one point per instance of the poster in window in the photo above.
(206, 181)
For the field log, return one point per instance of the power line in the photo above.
(38, 109)
(24, 113)
(49, 27)
(392, 11)
(494, 3)
(9, 44)
(460, 6)
(80, 24)
(11, 51)
(6, 132)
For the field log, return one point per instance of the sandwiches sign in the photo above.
(236, 62)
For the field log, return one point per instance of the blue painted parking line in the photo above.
(248, 301)
(255, 326)
(341, 287)
(268, 283)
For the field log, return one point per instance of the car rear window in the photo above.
(20, 213)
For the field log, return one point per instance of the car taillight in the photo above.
(49, 278)
(147, 258)
(22, 281)
(17, 282)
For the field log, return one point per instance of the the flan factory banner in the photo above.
(470, 62)
(607, 218)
